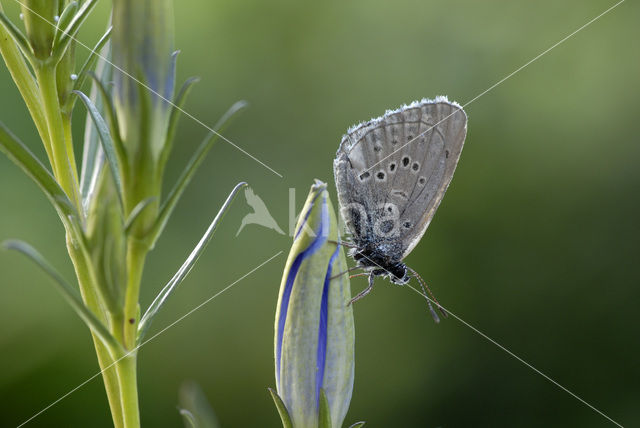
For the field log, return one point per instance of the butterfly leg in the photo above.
(345, 271)
(365, 291)
(358, 274)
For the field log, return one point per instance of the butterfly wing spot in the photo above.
(392, 166)
(422, 180)
(386, 226)
(415, 166)
(380, 175)
(364, 176)
(377, 148)
(407, 225)
(446, 154)
(409, 137)
(405, 161)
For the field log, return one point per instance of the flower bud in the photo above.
(314, 330)
(142, 43)
(38, 18)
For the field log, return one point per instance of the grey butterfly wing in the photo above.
(396, 169)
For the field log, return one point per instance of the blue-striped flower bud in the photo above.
(142, 44)
(314, 331)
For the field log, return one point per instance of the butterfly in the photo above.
(391, 174)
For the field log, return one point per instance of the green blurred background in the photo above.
(535, 244)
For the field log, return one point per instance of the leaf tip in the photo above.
(192, 80)
(9, 244)
(241, 104)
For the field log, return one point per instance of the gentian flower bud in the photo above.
(142, 43)
(314, 330)
(38, 16)
(144, 80)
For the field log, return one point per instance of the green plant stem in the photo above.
(40, 93)
(46, 77)
(68, 139)
(89, 283)
(106, 357)
(111, 382)
(26, 84)
(85, 281)
(136, 255)
(126, 370)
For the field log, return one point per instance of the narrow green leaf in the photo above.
(92, 154)
(224, 121)
(186, 267)
(70, 32)
(111, 115)
(282, 409)
(176, 112)
(195, 408)
(68, 293)
(107, 142)
(358, 424)
(136, 211)
(324, 413)
(18, 68)
(20, 39)
(92, 162)
(176, 192)
(64, 20)
(189, 419)
(22, 156)
(171, 76)
(93, 57)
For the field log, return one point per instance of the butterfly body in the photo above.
(391, 174)
(381, 263)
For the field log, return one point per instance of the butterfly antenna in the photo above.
(425, 289)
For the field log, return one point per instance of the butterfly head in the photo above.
(398, 274)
